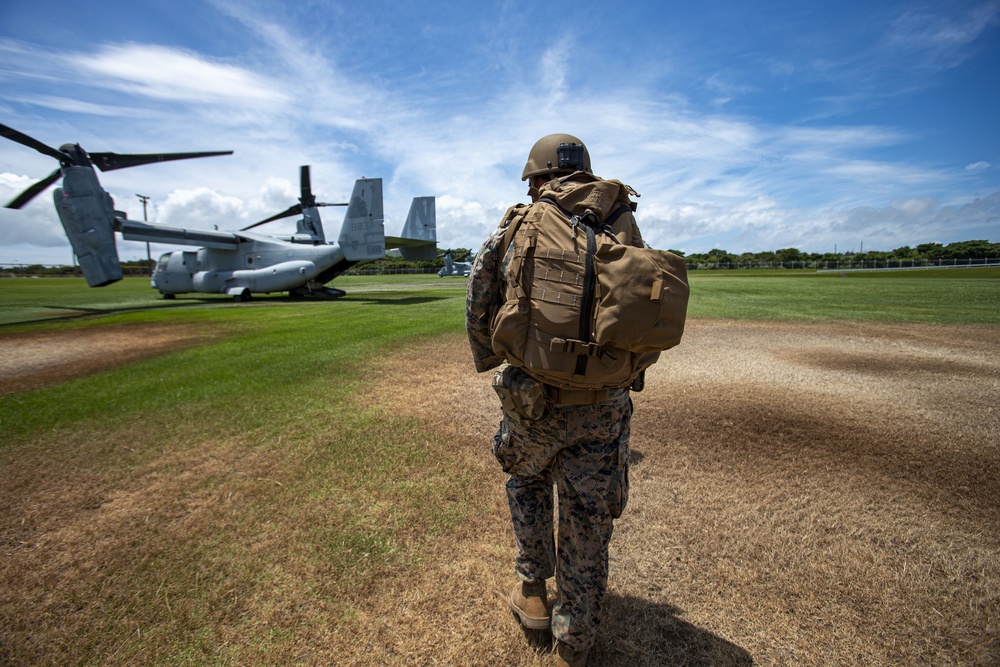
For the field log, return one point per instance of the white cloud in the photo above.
(276, 194)
(883, 173)
(12, 184)
(464, 223)
(552, 72)
(35, 224)
(30, 226)
(202, 208)
(172, 74)
(915, 206)
(762, 224)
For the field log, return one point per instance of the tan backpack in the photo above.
(585, 307)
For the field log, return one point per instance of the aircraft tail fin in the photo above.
(419, 239)
(362, 235)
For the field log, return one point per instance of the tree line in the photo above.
(923, 252)
(906, 255)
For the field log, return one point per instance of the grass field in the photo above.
(939, 296)
(286, 482)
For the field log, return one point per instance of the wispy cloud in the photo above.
(939, 36)
(75, 106)
(175, 75)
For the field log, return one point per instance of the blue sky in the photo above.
(745, 126)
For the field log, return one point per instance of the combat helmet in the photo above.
(556, 154)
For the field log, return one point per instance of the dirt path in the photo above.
(30, 361)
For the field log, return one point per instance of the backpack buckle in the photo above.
(577, 347)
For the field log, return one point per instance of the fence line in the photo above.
(389, 271)
(823, 265)
(65, 270)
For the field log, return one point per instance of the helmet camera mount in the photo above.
(571, 156)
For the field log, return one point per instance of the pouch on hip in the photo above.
(521, 396)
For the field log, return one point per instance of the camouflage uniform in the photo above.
(582, 449)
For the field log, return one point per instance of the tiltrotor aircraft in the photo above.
(453, 268)
(242, 263)
(236, 263)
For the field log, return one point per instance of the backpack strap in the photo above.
(617, 213)
(588, 296)
(512, 221)
(606, 226)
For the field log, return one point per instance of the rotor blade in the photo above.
(25, 140)
(292, 210)
(112, 161)
(305, 190)
(30, 193)
(305, 185)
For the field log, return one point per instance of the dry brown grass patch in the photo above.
(793, 502)
(801, 495)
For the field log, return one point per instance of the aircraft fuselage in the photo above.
(258, 265)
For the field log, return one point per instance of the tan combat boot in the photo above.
(529, 601)
(567, 657)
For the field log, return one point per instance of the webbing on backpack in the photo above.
(586, 350)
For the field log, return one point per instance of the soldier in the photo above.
(577, 440)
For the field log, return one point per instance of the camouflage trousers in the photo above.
(584, 452)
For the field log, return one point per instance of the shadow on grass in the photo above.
(539, 640)
(638, 632)
(63, 313)
(401, 301)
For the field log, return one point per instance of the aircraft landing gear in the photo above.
(243, 296)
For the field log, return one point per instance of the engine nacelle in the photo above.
(87, 214)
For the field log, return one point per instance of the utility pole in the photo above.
(149, 258)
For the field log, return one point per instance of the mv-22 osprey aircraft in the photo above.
(237, 263)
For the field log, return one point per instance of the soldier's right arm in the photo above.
(486, 289)
(484, 295)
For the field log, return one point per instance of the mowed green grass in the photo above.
(930, 296)
(328, 490)
(937, 296)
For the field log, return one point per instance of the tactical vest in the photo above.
(586, 306)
